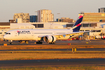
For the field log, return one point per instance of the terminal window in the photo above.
(69, 25)
(86, 25)
(96, 31)
(87, 30)
(38, 25)
(81, 30)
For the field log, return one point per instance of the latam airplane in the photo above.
(47, 35)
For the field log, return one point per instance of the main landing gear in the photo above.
(39, 42)
(23, 42)
(52, 43)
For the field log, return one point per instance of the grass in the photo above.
(29, 55)
(12, 47)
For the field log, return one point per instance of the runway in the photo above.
(73, 42)
(78, 49)
(55, 62)
(59, 46)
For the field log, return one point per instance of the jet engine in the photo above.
(50, 39)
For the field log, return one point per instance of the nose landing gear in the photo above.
(11, 42)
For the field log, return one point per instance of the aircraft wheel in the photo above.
(4, 39)
(10, 42)
(38, 42)
(26, 42)
(20, 42)
(52, 43)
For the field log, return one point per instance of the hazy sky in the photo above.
(66, 8)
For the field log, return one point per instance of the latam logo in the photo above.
(23, 32)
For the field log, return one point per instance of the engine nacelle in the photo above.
(50, 39)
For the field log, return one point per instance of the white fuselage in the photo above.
(34, 34)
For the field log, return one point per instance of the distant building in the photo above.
(45, 15)
(84, 24)
(12, 21)
(21, 17)
(101, 10)
(63, 19)
(93, 17)
(33, 18)
(4, 25)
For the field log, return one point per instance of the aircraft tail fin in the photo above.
(77, 25)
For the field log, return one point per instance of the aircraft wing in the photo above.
(64, 34)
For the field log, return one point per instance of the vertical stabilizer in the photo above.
(77, 25)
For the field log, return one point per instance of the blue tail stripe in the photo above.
(78, 27)
(78, 21)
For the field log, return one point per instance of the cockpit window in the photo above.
(8, 33)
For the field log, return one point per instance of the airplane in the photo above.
(48, 35)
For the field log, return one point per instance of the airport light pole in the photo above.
(36, 12)
(58, 16)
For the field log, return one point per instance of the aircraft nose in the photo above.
(4, 37)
